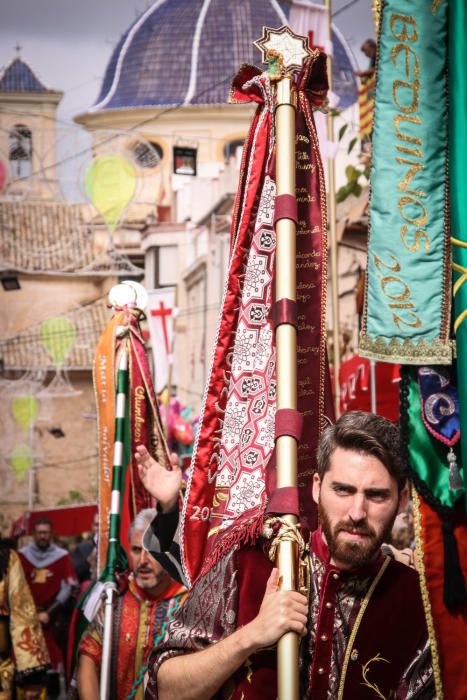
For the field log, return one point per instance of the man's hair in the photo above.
(142, 520)
(369, 42)
(43, 521)
(366, 433)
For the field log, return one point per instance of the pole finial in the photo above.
(291, 49)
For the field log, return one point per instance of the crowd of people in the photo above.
(168, 643)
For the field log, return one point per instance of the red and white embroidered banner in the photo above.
(160, 316)
(228, 483)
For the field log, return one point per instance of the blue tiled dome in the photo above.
(186, 52)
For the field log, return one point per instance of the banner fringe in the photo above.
(437, 352)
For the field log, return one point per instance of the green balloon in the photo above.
(58, 335)
(25, 409)
(21, 459)
(110, 183)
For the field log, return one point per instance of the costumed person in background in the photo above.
(143, 612)
(84, 558)
(51, 577)
(369, 49)
(23, 653)
(80, 554)
(353, 644)
(79, 621)
(161, 538)
(402, 543)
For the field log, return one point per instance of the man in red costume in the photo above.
(363, 627)
(50, 575)
(140, 622)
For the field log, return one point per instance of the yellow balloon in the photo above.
(21, 459)
(58, 335)
(110, 183)
(25, 409)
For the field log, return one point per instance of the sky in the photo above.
(69, 42)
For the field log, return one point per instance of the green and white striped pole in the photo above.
(114, 553)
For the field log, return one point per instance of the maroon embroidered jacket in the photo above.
(367, 631)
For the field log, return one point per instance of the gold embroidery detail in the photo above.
(459, 282)
(356, 626)
(436, 5)
(425, 595)
(219, 496)
(305, 107)
(365, 669)
(376, 7)
(456, 241)
(407, 352)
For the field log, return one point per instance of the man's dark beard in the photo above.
(354, 553)
(43, 545)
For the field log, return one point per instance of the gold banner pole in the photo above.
(286, 368)
(285, 52)
(332, 217)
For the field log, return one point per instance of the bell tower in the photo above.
(27, 133)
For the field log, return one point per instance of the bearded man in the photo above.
(140, 621)
(363, 627)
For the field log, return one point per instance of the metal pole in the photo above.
(373, 385)
(170, 358)
(110, 586)
(31, 474)
(332, 215)
(110, 590)
(286, 367)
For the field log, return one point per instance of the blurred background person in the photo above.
(23, 652)
(51, 577)
(402, 542)
(369, 49)
(141, 616)
(80, 554)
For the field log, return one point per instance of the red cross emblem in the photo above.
(163, 313)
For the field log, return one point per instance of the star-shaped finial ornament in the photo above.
(293, 48)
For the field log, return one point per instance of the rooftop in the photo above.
(18, 76)
(43, 237)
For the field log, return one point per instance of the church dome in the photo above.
(185, 52)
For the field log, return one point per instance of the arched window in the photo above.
(231, 149)
(20, 151)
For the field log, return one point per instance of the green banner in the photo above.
(458, 194)
(408, 295)
(427, 458)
